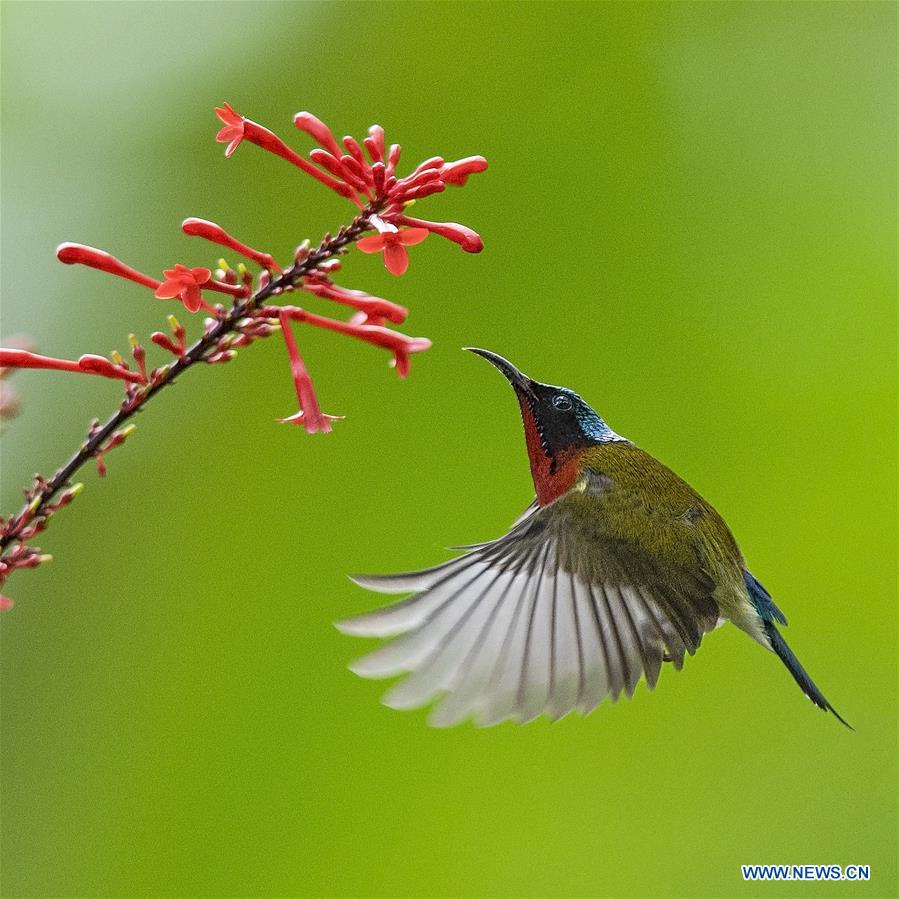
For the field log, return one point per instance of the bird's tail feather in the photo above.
(800, 675)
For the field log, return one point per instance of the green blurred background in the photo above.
(689, 217)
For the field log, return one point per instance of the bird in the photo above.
(617, 568)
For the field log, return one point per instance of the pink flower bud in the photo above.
(378, 174)
(363, 176)
(318, 130)
(79, 254)
(469, 240)
(417, 179)
(355, 150)
(393, 157)
(234, 290)
(371, 306)
(424, 190)
(334, 166)
(87, 364)
(458, 172)
(374, 143)
(216, 234)
(100, 365)
(163, 340)
(434, 162)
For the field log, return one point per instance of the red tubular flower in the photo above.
(458, 172)
(232, 134)
(374, 143)
(399, 344)
(164, 341)
(375, 309)
(433, 162)
(176, 344)
(469, 240)
(100, 365)
(337, 168)
(87, 364)
(240, 128)
(393, 158)
(310, 415)
(5, 603)
(218, 235)
(234, 290)
(16, 342)
(79, 254)
(318, 130)
(379, 177)
(184, 283)
(424, 190)
(416, 179)
(356, 169)
(393, 245)
(355, 151)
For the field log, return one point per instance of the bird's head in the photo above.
(558, 426)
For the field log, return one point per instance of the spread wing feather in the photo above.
(547, 619)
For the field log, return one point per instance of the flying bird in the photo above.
(617, 567)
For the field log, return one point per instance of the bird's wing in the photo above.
(552, 617)
(530, 509)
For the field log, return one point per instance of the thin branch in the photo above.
(197, 352)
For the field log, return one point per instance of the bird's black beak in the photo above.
(519, 381)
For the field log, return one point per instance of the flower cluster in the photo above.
(368, 177)
(363, 173)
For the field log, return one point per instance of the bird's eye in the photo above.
(562, 402)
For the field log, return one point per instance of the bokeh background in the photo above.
(689, 217)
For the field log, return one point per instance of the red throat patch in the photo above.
(552, 476)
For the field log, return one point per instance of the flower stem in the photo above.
(197, 352)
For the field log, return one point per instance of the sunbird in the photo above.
(616, 567)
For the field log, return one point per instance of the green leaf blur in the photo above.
(689, 217)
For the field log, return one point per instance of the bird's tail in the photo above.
(800, 675)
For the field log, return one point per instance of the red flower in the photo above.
(310, 415)
(238, 128)
(457, 172)
(374, 309)
(393, 244)
(5, 603)
(232, 134)
(79, 254)
(317, 129)
(399, 344)
(87, 364)
(469, 240)
(217, 234)
(91, 364)
(184, 283)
